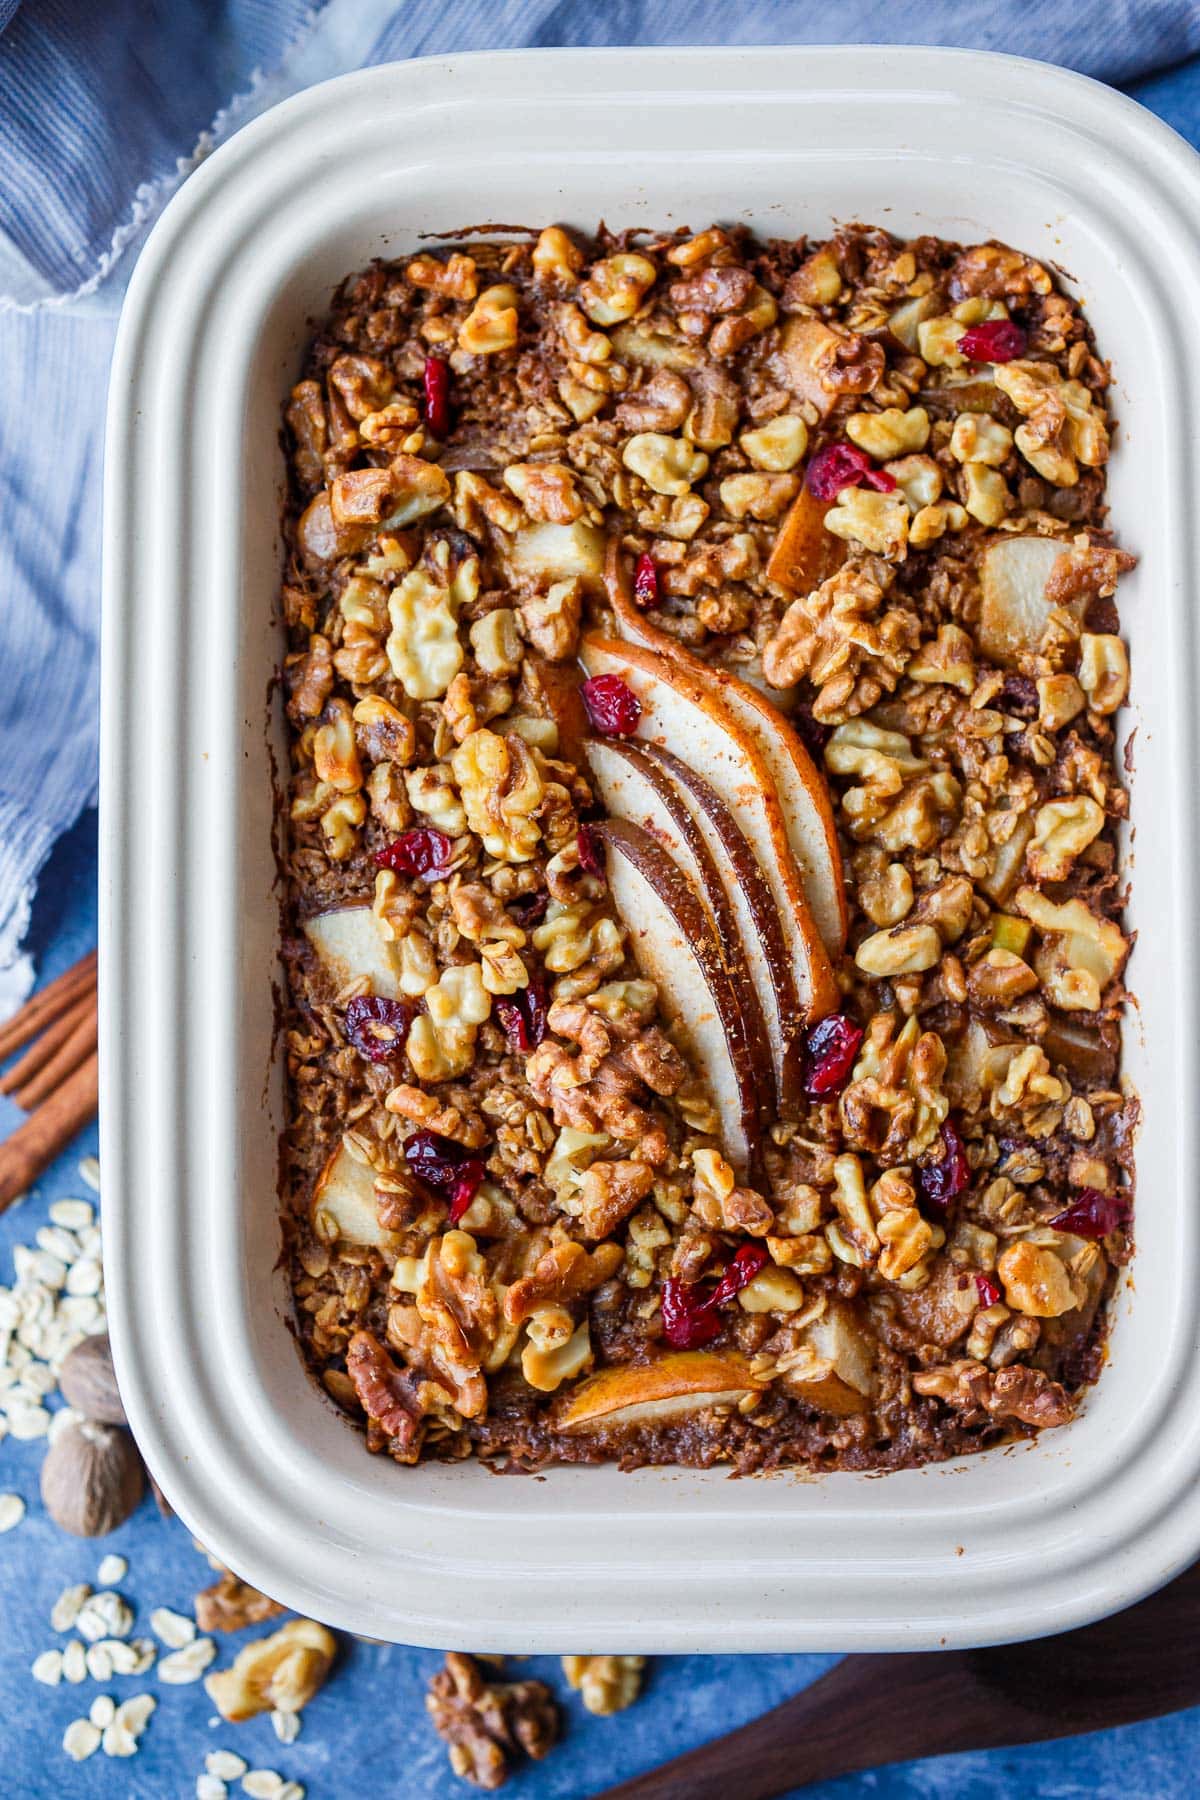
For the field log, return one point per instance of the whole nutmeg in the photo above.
(87, 1382)
(92, 1478)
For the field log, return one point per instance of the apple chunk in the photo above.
(652, 1393)
(345, 1193)
(800, 787)
(672, 939)
(682, 713)
(351, 947)
(1013, 574)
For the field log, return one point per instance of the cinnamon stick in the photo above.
(48, 1004)
(35, 1144)
(77, 1047)
(44, 1048)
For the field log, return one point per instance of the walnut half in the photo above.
(484, 1723)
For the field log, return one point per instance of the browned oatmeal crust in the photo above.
(486, 443)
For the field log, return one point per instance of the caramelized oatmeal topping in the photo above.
(703, 917)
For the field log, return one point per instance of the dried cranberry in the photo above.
(523, 1016)
(465, 1189)
(446, 1167)
(377, 1027)
(840, 466)
(612, 706)
(645, 582)
(943, 1179)
(422, 851)
(1093, 1214)
(435, 381)
(995, 341)
(688, 1318)
(530, 909)
(689, 1314)
(829, 1052)
(988, 1289)
(745, 1265)
(587, 846)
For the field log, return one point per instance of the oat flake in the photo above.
(175, 1629)
(74, 1661)
(47, 1668)
(65, 1610)
(187, 1664)
(12, 1511)
(210, 1787)
(286, 1726)
(226, 1765)
(80, 1739)
(263, 1784)
(103, 1710)
(112, 1569)
(89, 1171)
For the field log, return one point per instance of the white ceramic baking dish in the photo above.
(1008, 1544)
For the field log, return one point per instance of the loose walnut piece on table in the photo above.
(229, 1604)
(608, 1684)
(485, 1723)
(280, 1673)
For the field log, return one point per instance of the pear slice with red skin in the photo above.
(691, 717)
(656, 1392)
(631, 785)
(673, 942)
(801, 789)
(759, 938)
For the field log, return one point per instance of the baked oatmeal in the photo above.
(703, 909)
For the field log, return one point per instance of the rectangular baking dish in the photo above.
(1012, 1543)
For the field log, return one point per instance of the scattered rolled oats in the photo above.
(210, 1787)
(80, 1740)
(225, 1765)
(103, 1710)
(286, 1726)
(174, 1629)
(187, 1664)
(112, 1569)
(47, 1668)
(74, 1661)
(104, 1615)
(12, 1511)
(89, 1170)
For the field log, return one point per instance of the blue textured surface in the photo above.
(368, 1725)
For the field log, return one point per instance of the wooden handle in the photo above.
(50, 1129)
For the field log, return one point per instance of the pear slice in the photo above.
(841, 1378)
(1013, 575)
(671, 938)
(345, 1192)
(806, 350)
(804, 554)
(759, 935)
(652, 1393)
(689, 716)
(351, 947)
(633, 786)
(800, 787)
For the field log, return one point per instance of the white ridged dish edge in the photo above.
(1010, 1544)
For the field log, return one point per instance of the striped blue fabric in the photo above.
(102, 106)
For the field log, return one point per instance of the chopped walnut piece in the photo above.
(230, 1605)
(608, 1684)
(280, 1673)
(1014, 1393)
(894, 1105)
(485, 1723)
(846, 640)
